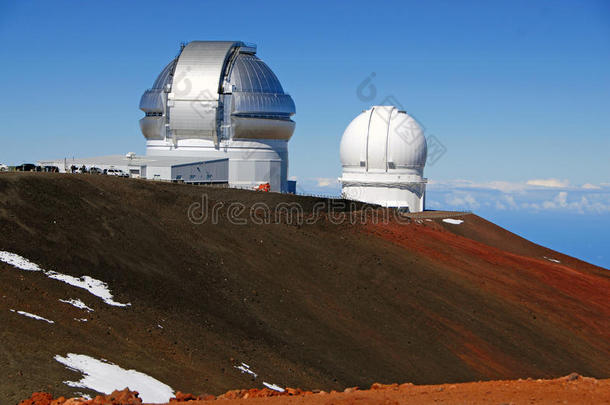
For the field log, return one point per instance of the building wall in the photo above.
(251, 173)
(158, 172)
(411, 196)
(202, 172)
(251, 162)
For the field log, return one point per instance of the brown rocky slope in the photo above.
(326, 305)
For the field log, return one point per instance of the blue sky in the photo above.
(518, 92)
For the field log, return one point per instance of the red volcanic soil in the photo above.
(572, 389)
(563, 291)
(323, 305)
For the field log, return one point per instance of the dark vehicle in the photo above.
(28, 167)
(50, 169)
(95, 170)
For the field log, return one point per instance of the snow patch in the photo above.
(77, 303)
(273, 387)
(106, 377)
(244, 368)
(33, 316)
(82, 395)
(18, 261)
(552, 260)
(453, 221)
(81, 319)
(94, 286)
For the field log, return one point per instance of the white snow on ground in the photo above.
(453, 221)
(83, 396)
(81, 319)
(106, 377)
(552, 260)
(244, 368)
(18, 261)
(273, 387)
(78, 304)
(94, 286)
(39, 318)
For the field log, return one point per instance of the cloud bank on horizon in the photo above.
(533, 195)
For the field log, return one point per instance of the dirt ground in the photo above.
(558, 391)
(325, 305)
(572, 389)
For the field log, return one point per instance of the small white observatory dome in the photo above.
(383, 154)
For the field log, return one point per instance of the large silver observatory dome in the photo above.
(217, 90)
(217, 99)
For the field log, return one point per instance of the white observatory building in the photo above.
(218, 100)
(383, 154)
(216, 114)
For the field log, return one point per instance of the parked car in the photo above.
(28, 167)
(116, 172)
(95, 170)
(76, 169)
(3, 168)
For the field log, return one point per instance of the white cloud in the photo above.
(584, 204)
(505, 202)
(319, 186)
(434, 204)
(560, 201)
(503, 196)
(554, 183)
(462, 201)
(500, 206)
(510, 201)
(592, 203)
(511, 187)
(535, 195)
(326, 181)
(503, 186)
